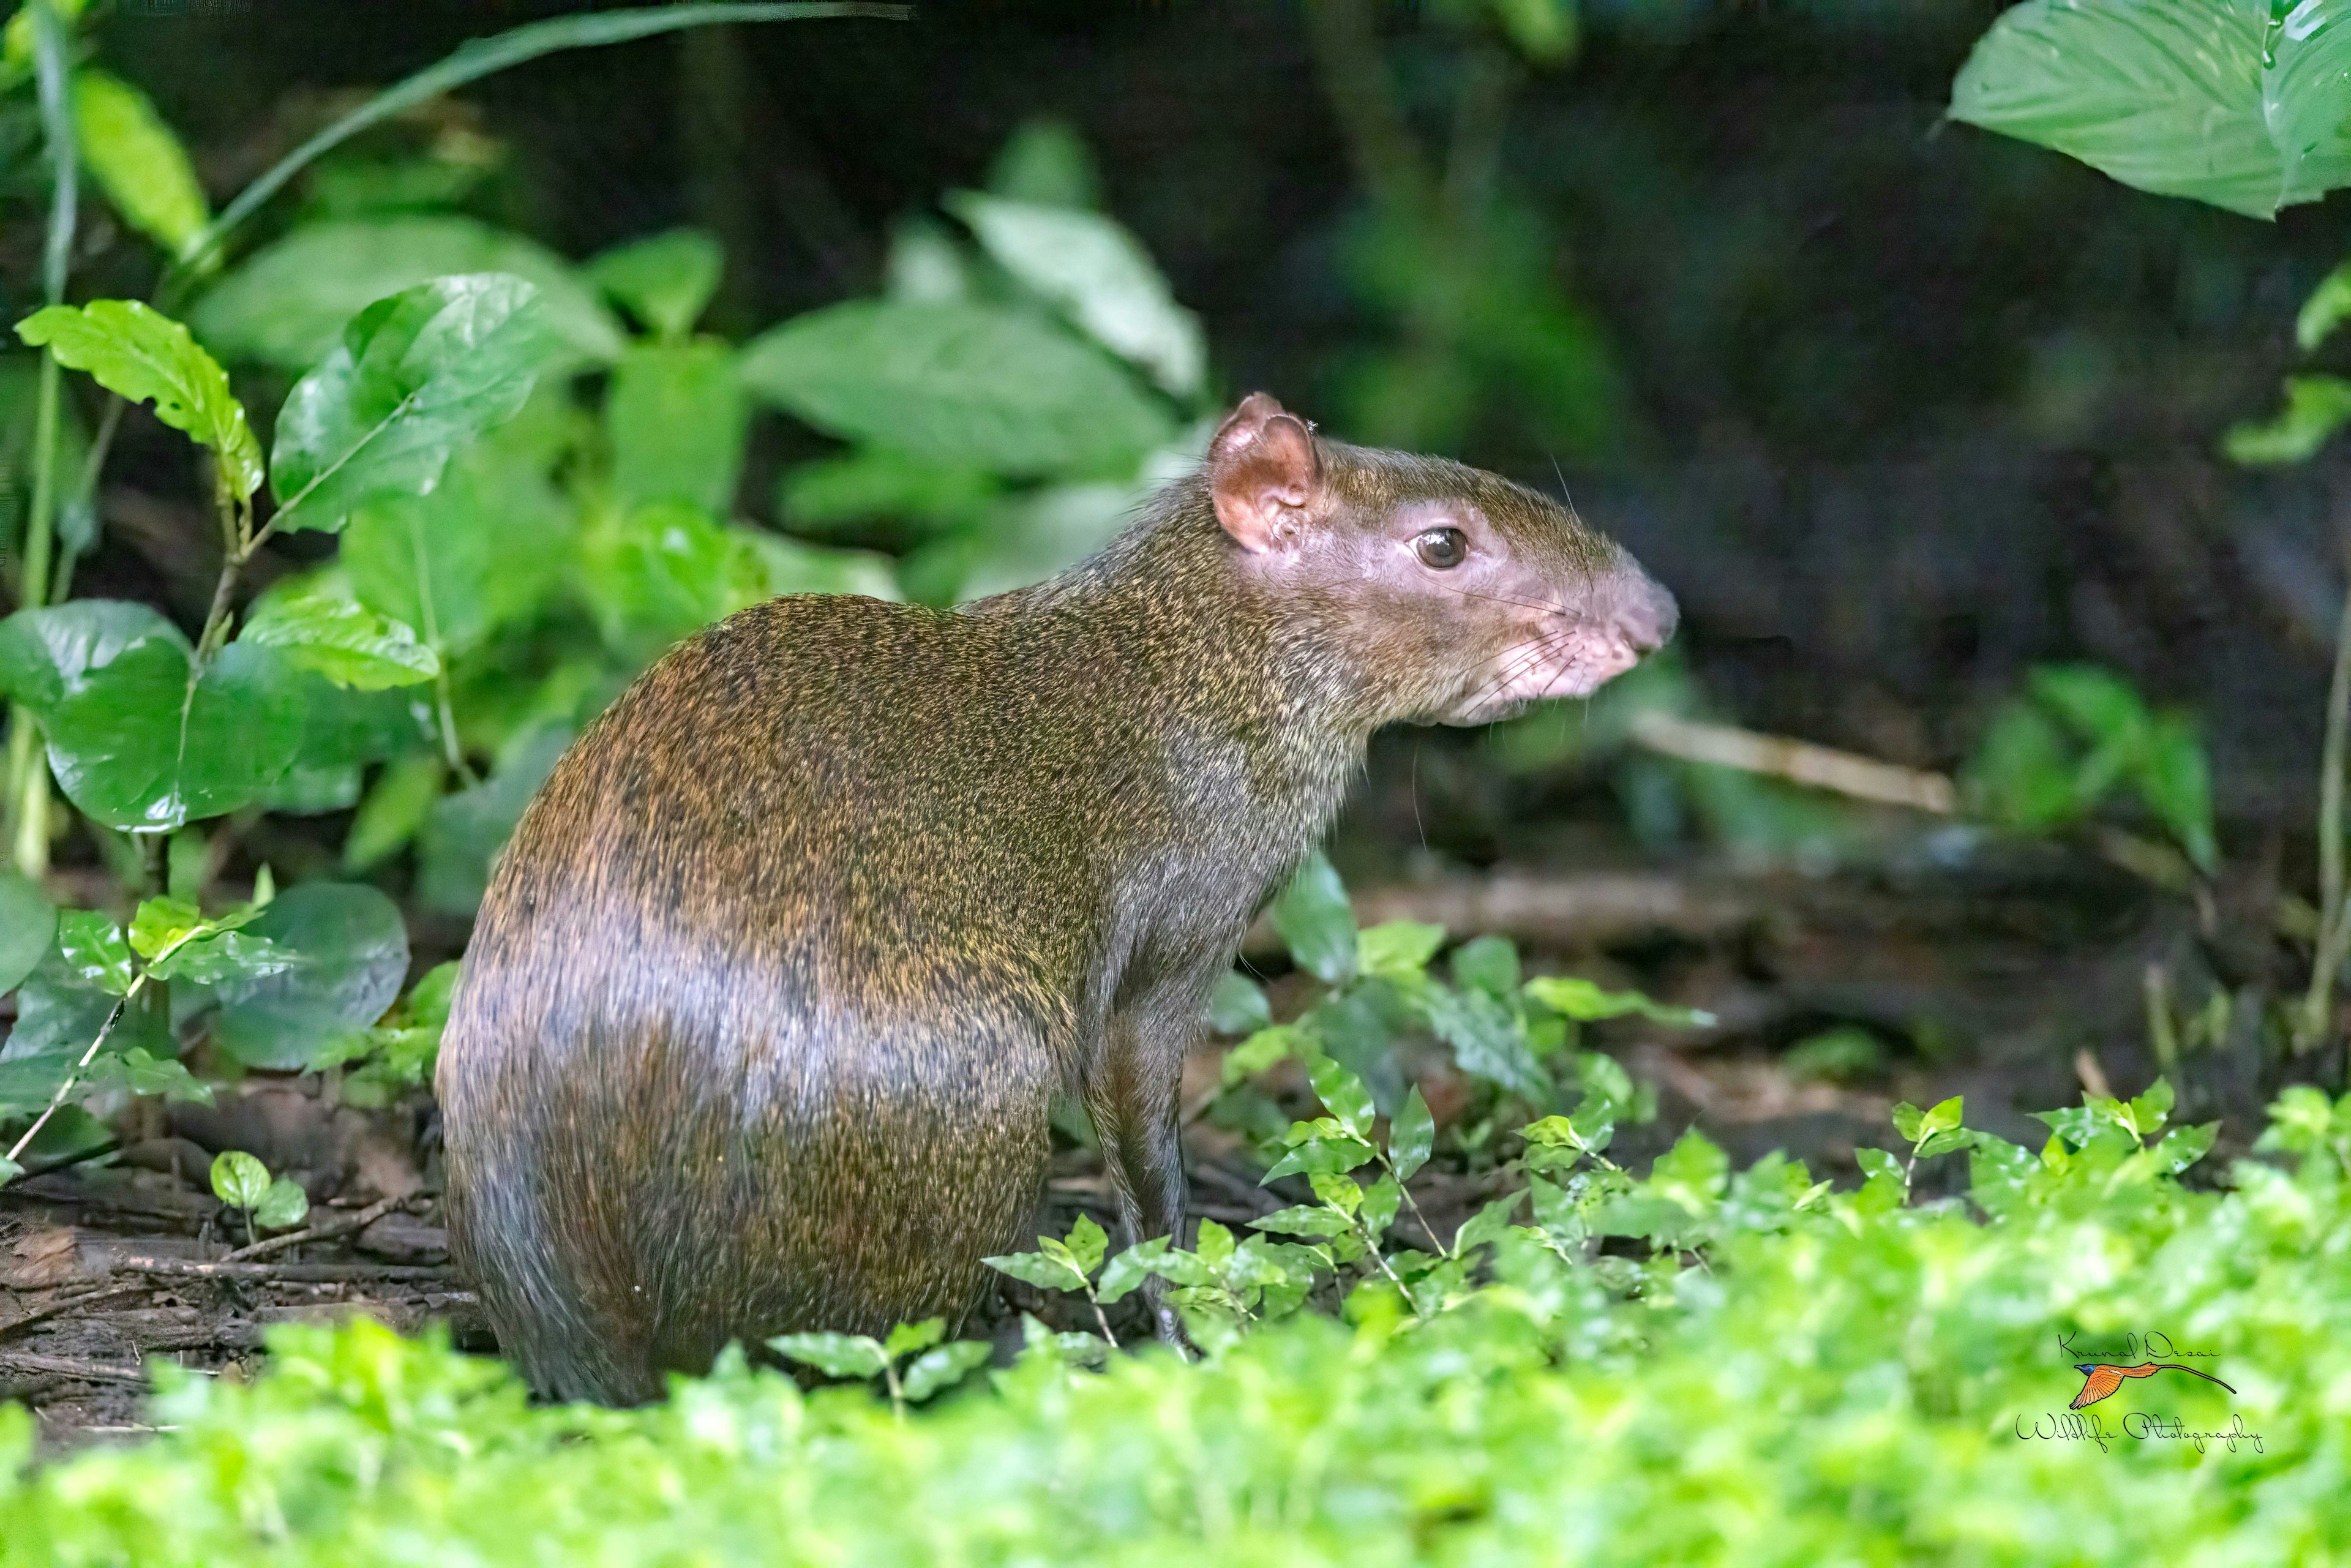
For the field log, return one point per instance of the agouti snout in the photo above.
(773, 988)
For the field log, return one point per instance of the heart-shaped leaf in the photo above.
(239, 1180)
(284, 1205)
(349, 952)
(133, 741)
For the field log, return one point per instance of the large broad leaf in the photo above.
(416, 378)
(958, 383)
(338, 637)
(652, 574)
(464, 832)
(1099, 275)
(140, 163)
(29, 924)
(133, 742)
(2185, 97)
(665, 282)
(676, 415)
(350, 952)
(288, 305)
(480, 552)
(1315, 921)
(142, 355)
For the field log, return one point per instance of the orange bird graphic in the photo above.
(2100, 1379)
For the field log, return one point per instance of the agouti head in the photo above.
(1457, 597)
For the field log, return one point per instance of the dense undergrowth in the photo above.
(1853, 1380)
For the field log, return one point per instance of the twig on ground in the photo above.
(291, 1273)
(342, 1225)
(69, 1366)
(66, 1301)
(1799, 762)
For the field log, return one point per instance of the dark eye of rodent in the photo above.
(1443, 549)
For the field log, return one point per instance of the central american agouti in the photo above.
(774, 987)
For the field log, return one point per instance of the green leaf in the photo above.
(2022, 773)
(1487, 964)
(1344, 1094)
(232, 956)
(282, 1207)
(1128, 1269)
(2176, 782)
(1885, 1189)
(1380, 1202)
(350, 948)
(875, 483)
(2324, 310)
(464, 832)
(2149, 1111)
(661, 571)
(1316, 923)
(1946, 1114)
(142, 356)
(1486, 1038)
(941, 1369)
(1087, 1243)
(139, 162)
(1275, 1043)
(132, 742)
(1046, 160)
(665, 282)
(1215, 1244)
(1238, 1005)
(1304, 1219)
(289, 304)
(239, 1180)
(1098, 275)
(2184, 97)
(417, 377)
(908, 1338)
(1046, 1273)
(1909, 1122)
(834, 1354)
(1489, 1225)
(1944, 1142)
(677, 416)
(1692, 1173)
(1583, 1000)
(2183, 1146)
(1321, 1157)
(1412, 1133)
(340, 638)
(394, 808)
(29, 924)
(2315, 408)
(92, 948)
(1397, 948)
(140, 1074)
(481, 552)
(1545, 31)
(958, 384)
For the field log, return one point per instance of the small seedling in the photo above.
(242, 1182)
(936, 1366)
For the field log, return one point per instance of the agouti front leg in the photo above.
(1134, 1095)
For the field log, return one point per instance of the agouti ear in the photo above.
(1263, 474)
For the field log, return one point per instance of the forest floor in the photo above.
(2015, 989)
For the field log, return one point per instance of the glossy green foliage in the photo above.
(1844, 1381)
(2240, 103)
(2081, 735)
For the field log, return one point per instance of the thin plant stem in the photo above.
(1413, 1204)
(114, 1015)
(1102, 1317)
(28, 775)
(2327, 956)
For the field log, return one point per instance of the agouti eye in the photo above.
(1443, 549)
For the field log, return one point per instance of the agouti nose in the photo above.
(1645, 613)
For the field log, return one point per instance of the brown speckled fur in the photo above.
(766, 1004)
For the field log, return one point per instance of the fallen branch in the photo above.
(1799, 762)
(289, 1273)
(66, 1301)
(341, 1226)
(68, 1366)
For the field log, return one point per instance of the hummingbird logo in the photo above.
(2102, 1378)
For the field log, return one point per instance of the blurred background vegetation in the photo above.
(1905, 413)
